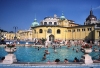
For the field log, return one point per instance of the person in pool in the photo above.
(76, 60)
(65, 61)
(44, 57)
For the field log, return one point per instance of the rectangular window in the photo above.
(89, 29)
(78, 30)
(83, 29)
(99, 33)
(69, 30)
(73, 30)
(35, 31)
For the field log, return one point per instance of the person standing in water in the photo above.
(38, 48)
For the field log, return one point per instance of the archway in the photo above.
(51, 37)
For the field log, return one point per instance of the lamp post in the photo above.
(15, 28)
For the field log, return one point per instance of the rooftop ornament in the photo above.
(62, 17)
(87, 46)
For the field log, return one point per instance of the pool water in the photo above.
(24, 42)
(32, 54)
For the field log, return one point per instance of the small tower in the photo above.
(63, 21)
(55, 16)
(91, 19)
(91, 12)
(62, 17)
(35, 23)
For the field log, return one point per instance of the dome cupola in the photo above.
(62, 17)
(35, 23)
(91, 17)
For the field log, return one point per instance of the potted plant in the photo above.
(87, 48)
(10, 48)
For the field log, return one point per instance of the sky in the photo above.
(21, 13)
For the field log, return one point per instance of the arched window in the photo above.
(50, 23)
(58, 31)
(49, 31)
(55, 23)
(45, 23)
(34, 31)
(40, 31)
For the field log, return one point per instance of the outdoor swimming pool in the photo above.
(32, 54)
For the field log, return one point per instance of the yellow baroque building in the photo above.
(52, 28)
(24, 34)
(64, 33)
(8, 35)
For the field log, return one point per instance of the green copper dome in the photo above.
(35, 23)
(62, 17)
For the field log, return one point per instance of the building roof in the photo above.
(62, 17)
(35, 23)
(64, 27)
(91, 16)
(71, 20)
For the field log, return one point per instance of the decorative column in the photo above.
(10, 57)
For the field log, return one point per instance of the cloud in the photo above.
(97, 7)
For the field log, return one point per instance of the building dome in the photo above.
(62, 17)
(91, 17)
(35, 23)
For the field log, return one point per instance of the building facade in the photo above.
(52, 28)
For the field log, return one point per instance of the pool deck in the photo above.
(47, 65)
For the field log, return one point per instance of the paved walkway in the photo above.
(94, 65)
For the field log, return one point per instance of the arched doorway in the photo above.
(51, 37)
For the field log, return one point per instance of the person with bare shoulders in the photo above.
(44, 57)
(65, 61)
(57, 60)
(76, 60)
